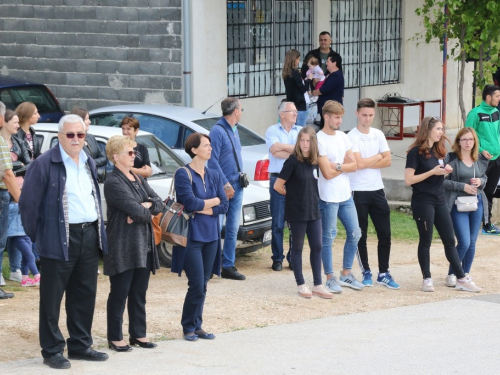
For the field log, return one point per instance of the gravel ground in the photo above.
(265, 298)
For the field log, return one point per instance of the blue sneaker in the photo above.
(367, 278)
(388, 281)
(491, 229)
(333, 286)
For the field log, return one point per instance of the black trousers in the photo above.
(427, 216)
(77, 278)
(493, 174)
(298, 231)
(132, 285)
(374, 204)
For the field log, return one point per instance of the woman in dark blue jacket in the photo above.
(201, 191)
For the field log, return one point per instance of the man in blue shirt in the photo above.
(280, 140)
(61, 211)
(226, 159)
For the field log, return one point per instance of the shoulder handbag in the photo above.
(174, 222)
(467, 203)
(243, 176)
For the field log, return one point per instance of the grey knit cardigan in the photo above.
(452, 186)
(128, 244)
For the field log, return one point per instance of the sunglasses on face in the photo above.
(72, 135)
(130, 153)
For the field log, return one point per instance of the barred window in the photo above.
(259, 33)
(367, 34)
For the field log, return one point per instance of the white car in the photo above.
(173, 124)
(255, 221)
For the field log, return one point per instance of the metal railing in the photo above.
(367, 34)
(259, 33)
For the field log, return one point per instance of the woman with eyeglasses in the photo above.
(295, 87)
(425, 172)
(142, 166)
(132, 253)
(468, 178)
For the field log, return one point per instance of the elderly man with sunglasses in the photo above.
(61, 211)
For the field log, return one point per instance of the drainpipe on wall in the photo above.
(186, 52)
(445, 69)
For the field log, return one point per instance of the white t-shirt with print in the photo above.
(334, 148)
(368, 145)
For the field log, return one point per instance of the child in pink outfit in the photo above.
(317, 76)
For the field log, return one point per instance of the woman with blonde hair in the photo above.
(28, 116)
(295, 87)
(298, 181)
(425, 171)
(467, 179)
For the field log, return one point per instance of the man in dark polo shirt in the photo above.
(321, 53)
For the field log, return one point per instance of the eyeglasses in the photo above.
(241, 109)
(130, 153)
(293, 112)
(466, 140)
(436, 119)
(72, 135)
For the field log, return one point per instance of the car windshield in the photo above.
(247, 137)
(38, 95)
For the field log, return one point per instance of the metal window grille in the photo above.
(259, 33)
(367, 34)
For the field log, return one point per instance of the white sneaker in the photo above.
(304, 291)
(427, 285)
(2, 280)
(467, 285)
(470, 278)
(16, 276)
(451, 280)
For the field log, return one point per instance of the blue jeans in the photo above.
(15, 256)
(466, 227)
(346, 212)
(277, 207)
(232, 225)
(302, 118)
(4, 221)
(23, 243)
(198, 264)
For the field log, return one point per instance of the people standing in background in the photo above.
(280, 141)
(321, 53)
(485, 120)
(425, 171)
(142, 165)
(372, 153)
(28, 116)
(467, 178)
(295, 87)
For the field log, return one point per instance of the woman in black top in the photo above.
(28, 115)
(132, 254)
(300, 174)
(142, 166)
(295, 88)
(425, 172)
(91, 147)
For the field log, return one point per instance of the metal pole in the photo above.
(445, 70)
(186, 51)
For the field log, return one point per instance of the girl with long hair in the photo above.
(468, 178)
(28, 116)
(425, 172)
(300, 174)
(295, 87)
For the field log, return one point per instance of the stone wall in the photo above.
(94, 53)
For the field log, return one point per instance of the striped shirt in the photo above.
(5, 160)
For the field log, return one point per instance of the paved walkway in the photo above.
(458, 336)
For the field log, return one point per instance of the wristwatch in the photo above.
(227, 186)
(339, 167)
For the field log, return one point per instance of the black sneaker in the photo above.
(491, 229)
(231, 273)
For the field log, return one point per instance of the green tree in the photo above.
(472, 28)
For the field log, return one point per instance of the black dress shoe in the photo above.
(190, 336)
(5, 295)
(57, 361)
(277, 266)
(142, 344)
(124, 348)
(231, 273)
(204, 335)
(88, 355)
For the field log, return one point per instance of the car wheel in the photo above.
(165, 253)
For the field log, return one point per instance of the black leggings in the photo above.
(427, 216)
(298, 230)
(493, 174)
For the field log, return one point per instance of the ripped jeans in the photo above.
(427, 216)
(346, 212)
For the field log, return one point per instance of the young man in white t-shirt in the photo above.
(372, 153)
(336, 160)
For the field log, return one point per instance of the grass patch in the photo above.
(403, 228)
